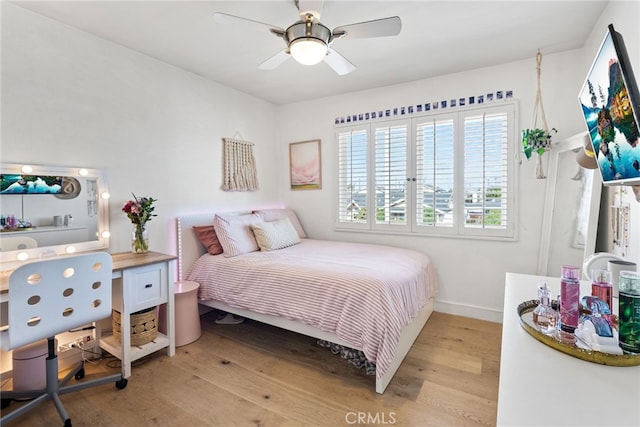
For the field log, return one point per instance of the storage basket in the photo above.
(144, 326)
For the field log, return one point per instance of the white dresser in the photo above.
(540, 386)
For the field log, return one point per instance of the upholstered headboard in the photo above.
(189, 248)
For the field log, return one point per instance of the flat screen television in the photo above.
(30, 184)
(611, 106)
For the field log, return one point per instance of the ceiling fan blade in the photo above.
(249, 24)
(313, 7)
(338, 63)
(275, 60)
(377, 28)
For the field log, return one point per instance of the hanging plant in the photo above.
(536, 140)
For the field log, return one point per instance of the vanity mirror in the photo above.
(571, 209)
(48, 210)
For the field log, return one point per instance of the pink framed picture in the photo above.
(305, 165)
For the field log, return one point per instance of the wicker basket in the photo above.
(144, 326)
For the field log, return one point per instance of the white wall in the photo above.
(72, 99)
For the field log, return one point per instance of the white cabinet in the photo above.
(141, 281)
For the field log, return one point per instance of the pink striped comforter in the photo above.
(365, 294)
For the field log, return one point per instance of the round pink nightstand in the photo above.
(187, 316)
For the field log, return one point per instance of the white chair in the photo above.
(50, 297)
(16, 243)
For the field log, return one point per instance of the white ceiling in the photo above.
(437, 37)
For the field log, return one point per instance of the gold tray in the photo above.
(566, 342)
(10, 230)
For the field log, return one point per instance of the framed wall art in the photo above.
(305, 165)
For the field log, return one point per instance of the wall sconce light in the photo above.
(26, 169)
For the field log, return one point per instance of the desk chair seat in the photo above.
(50, 297)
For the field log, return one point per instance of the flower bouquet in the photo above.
(140, 211)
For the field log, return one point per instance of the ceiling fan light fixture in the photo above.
(308, 50)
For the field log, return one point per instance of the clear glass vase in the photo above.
(139, 239)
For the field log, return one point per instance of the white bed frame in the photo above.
(189, 250)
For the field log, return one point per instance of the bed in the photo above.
(371, 298)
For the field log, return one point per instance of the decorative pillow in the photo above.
(276, 214)
(206, 234)
(235, 234)
(275, 234)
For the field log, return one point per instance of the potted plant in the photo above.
(538, 140)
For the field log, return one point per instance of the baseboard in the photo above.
(466, 310)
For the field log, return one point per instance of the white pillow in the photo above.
(276, 214)
(235, 234)
(275, 234)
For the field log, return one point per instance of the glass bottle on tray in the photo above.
(544, 316)
(629, 313)
(602, 287)
(570, 298)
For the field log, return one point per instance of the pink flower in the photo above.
(139, 210)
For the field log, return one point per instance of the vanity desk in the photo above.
(541, 386)
(140, 281)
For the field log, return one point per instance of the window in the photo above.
(441, 174)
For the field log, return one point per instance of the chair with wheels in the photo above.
(50, 297)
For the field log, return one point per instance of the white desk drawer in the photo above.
(146, 286)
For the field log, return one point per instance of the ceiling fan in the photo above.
(309, 41)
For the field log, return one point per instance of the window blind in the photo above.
(485, 171)
(435, 172)
(352, 176)
(445, 173)
(391, 174)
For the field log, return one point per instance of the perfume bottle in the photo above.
(602, 287)
(570, 298)
(544, 316)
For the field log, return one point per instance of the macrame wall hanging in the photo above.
(537, 139)
(240, 172)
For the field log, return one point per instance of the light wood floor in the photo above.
(235, 375)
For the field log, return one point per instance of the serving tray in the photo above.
(567, 342)
(10, 230)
